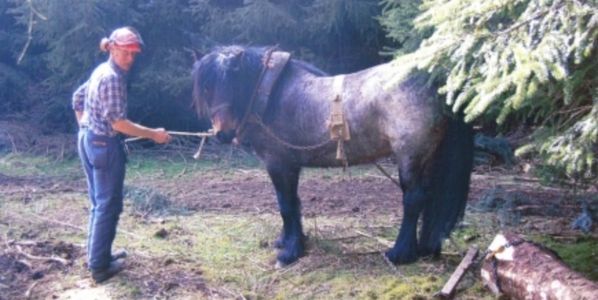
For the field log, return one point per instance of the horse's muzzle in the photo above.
(226, 137)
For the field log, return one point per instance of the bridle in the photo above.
(248, 111)
(251, 117)
(218, 108)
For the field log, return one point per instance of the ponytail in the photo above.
(105, 45)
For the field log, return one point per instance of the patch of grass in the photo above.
(416, 287)
(148, 201)
(20, 164)
(142, 166)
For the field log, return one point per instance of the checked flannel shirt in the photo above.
(102, 99)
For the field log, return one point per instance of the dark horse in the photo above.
(288, 129)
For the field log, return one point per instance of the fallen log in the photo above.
(521, 269)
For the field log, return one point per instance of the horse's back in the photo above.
(382, 115)
(407, 115)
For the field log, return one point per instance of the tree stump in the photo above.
(521, 269)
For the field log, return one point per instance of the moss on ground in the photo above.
(581, 254)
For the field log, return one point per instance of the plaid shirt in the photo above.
(102, 99)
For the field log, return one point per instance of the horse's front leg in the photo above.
(415, 197)
(291, 241)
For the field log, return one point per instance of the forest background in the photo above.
(509, 65)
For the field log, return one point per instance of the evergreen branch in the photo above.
(533, 18)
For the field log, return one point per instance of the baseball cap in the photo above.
(127, 38)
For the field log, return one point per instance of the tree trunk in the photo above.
(524, 270)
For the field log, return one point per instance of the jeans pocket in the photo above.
(98, 153)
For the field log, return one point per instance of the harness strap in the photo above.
(273, 64)
(273, 68)
(337, 124)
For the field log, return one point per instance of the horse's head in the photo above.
(223, 81)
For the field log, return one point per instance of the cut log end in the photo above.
(522, 269)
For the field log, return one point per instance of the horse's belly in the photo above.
(355, 153)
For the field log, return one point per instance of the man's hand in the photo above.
(160, 136)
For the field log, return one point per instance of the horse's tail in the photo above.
(450, 187)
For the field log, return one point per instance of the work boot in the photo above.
(118, 254)
(102, 275)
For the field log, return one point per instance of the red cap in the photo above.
(126, 38)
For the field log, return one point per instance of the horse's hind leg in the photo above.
(451, 175)
(415, 196)
(291, 242)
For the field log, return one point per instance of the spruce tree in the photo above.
(529, 62)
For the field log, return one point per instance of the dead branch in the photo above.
(32, 13)
(30, 289)
(34, 257)
(26, 263)
(379, 240)
(78, 227)
(450, 286)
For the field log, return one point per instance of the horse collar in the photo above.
(273, 65)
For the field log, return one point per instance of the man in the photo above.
(100, 105)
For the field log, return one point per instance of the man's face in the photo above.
(124, 58)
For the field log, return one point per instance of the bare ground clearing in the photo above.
(38, 212)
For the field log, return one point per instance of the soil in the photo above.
(250, 191)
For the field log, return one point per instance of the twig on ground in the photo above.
(451, 284)
(379, 240)
(34, 257)
(362, 253)
(30, 289)
(24, 243)
(25, 263)
(79, 227)
(341, 238)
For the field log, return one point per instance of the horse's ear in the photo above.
(236, 57)
(196, 54)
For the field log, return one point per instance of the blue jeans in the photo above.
(103, 160)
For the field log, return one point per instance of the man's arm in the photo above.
(78, 101)
(159, 135)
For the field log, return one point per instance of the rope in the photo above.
(179, 133)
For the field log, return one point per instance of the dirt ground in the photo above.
(30, 268)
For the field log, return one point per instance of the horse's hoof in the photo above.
(279, 243)
(280, 265)
(284, 259)
(433, 252)
(399, 259)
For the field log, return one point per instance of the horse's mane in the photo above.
(236, 67)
